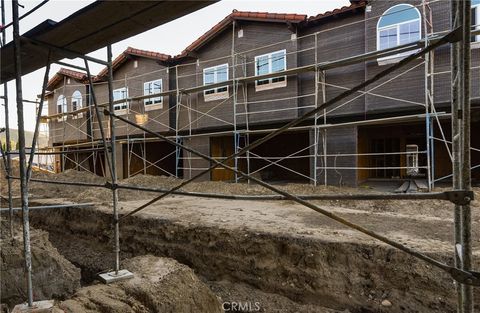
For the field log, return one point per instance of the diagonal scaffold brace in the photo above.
(462, 276)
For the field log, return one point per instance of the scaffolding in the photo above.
(190, 117)
(312, 119)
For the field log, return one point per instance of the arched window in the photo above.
(398, 25)
(76, 100)
(61, 104)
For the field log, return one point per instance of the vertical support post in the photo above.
(467, 290)
(324, 133)
(8, 144)
(236, 139)
(460, 63)
(429, 89)
(22, 155)
(113, 164)
(315, 119)
(177, 118)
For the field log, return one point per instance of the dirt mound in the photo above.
(53, 275)
(240, 297)
(159, 285)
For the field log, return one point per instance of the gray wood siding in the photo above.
(336, 39)
(194, 165)
(221, 111)
(68, 129)
(341, 140)
(133, 78)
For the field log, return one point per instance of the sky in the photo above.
(170, 38)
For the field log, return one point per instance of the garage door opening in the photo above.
(152, 158)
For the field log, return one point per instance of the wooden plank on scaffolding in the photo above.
(91, 28)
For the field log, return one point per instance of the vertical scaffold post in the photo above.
(178, 152)
(315, 119)
(460, 64)
(8, 144)
(22, 155)
(467, 290)
(429, 89)
(236, 139)
(113, 164)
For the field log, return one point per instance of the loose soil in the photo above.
(53, 275)
(158, 285)
(275, 251)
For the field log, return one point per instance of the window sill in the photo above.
(391, 59)
(120, 112)
(475, 45)
(271, 86)
(152, 107)
(216, 96)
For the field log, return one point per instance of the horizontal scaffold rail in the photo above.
(288, 72)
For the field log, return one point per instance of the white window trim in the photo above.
(64, 108)
(78, 115)
(122, 111)
(476, 44)
(271, 85)
(397, 57)
(216, 95)
(155, 106)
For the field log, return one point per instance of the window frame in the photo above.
(271, 84)
(217, 93)
(154, 105)
(79, 104)
(397, 57)
(64, 107)
(476, 8)
(121, 110)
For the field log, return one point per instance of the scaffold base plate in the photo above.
(112, 277)
(44, 306)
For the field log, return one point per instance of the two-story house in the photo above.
(222, 92)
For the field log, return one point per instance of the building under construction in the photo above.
(383, 91)
(391, 130)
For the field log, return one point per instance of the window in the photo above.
(119, 94)
(399, 25)
(213, 75)
(150, 88)
(476, 18)
(77, 103)
(270, 63)
(62, 106)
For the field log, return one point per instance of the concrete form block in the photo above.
(45, 306)
(111, 277)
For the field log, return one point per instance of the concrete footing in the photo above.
(45, 306)
(112, 277)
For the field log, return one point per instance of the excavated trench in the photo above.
(308, 271)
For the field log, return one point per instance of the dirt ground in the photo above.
(158, 285)
(53, 275)
(275, 251)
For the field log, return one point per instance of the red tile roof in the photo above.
(239, 15)
(119, 60)
(355, 4)
(299, 19)
(65, 72)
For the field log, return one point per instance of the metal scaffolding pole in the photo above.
(460, 64)
(8, 144)
(113, 164)
(22, 155)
